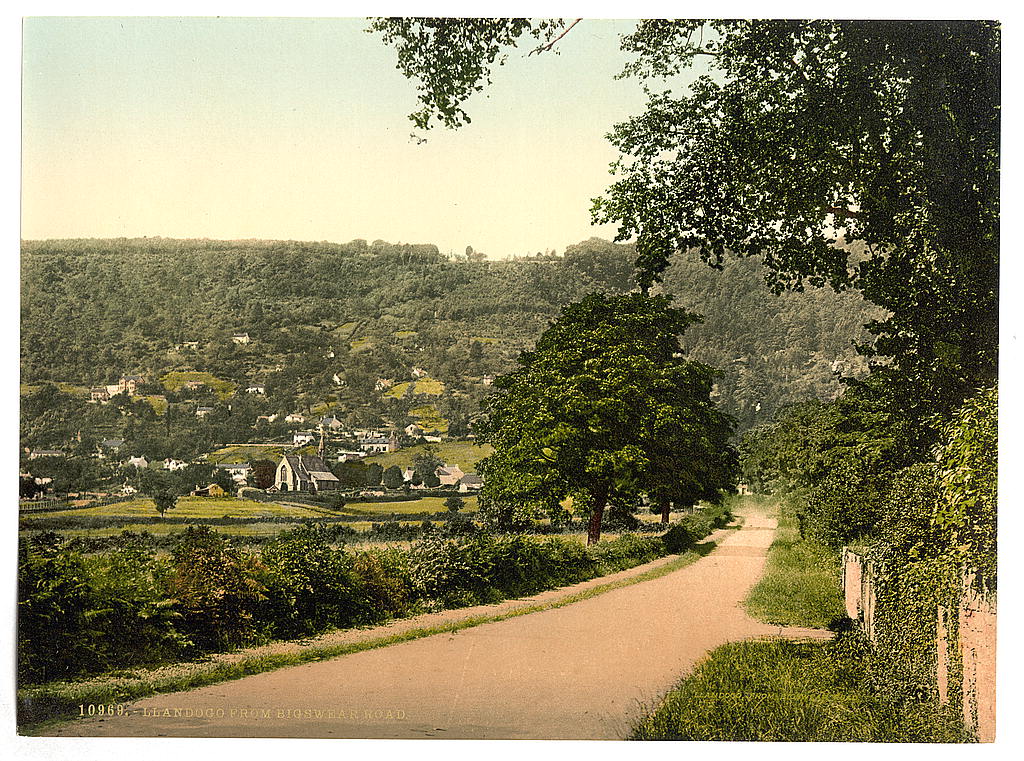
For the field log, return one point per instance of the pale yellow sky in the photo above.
(297, 129)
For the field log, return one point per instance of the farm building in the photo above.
(471, 482)
(304, 473)
(213, 490)
(449, 475)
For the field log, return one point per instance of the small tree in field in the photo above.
(162, 488)
(455, 522)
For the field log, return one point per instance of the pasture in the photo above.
(187, 507)
(176, 380)
(425, 386)
(237, 453)
(465, 454)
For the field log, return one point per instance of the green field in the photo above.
(247, 453)
(425, 386)
(175, 381)
(465, 454)
(360, 343)
(158, 403)
(140, 514)
(424, 506)
(67, 388)
(429, 419)
(187, 507)
(346, 330)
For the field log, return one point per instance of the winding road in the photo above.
(583, 671)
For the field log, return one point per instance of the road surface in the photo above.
(583, 671)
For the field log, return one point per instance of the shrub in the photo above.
(309, 584)
(454, 572)
(626, 551)
(847, 503)
(520, 566)
(56, 638)
(384, 583)
(216, 589)
(679, 538)
(132, 606)
(967, 472)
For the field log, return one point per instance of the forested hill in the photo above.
(93, 310)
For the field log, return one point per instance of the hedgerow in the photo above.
(85, 614)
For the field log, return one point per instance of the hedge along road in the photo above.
(583, 671)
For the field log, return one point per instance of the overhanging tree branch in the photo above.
(549, 45)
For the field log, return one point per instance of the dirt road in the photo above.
(581, 671)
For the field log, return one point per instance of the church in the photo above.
(305, 473)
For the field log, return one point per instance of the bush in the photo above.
(133, 607)
(679, 538)
(384, 583)
(56, 639)
(454, 572)
(625, 552)
(846, 505)
(309, 585)
(216, 589)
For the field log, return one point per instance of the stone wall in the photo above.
(859, 589)
(976, 646)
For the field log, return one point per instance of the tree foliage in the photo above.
(603, 409)
(453, 58)
(967, 458)
(163, 487)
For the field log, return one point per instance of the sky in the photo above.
(297, 129)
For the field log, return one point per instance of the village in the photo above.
(307, 454)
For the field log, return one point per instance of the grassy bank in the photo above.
(792, 691)
(789, 691)
(800, 586)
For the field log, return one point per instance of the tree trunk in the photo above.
(664, 510)
(594, 527)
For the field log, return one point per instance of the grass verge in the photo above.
(780, 690)
(800, 586)
(43, 706)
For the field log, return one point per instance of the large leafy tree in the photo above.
(803, 137)
(603, 409)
